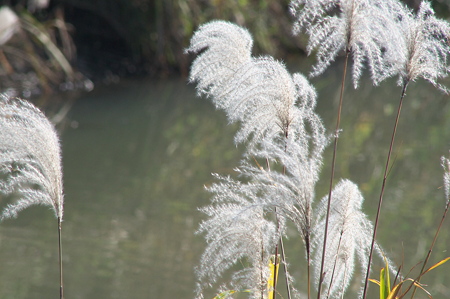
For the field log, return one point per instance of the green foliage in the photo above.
(386, 292)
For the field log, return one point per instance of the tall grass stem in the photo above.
(429, 251)
(283, 257)
(333, 163)
(380, 201)
(61, 280)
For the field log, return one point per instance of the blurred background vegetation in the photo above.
(107, 40)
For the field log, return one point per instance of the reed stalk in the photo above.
(283, 258)
(61, 280)
(333, 164)
(429, 251)
(280, 243)
(380, 201)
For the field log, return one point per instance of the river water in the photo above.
(136, 156)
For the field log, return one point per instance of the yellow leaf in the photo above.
(437, 264)
(395, 290)
(423, 289)
(273, 268)
(374, 281)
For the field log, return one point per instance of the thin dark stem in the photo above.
(283, 257)
(309, 275)
(386, 169)
(275, 268)
(333, 163)
(430, 250)
(61, 283)
(335, 263)
(275, 265)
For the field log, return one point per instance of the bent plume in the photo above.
(30, 159)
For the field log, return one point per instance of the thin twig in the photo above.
(61, 282)
(399, 109)
(430, 250)
(335, 263)
(283, 258)
(275, 268)
(333, 163)
(308, 263)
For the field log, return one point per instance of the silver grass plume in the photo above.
(276, 113)
(426, 46)
(349, 239)
(257, 92)
(364, 28)
(225, 47)
(236, 230)
(30, 162)
(239, 226)
(291, 191)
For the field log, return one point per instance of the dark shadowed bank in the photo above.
(107, 40)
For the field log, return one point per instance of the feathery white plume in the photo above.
(426, 46)
(236, 230)
(30, 162)
(365, 28)
(277, 118)
(349, 238)
(257, 92)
